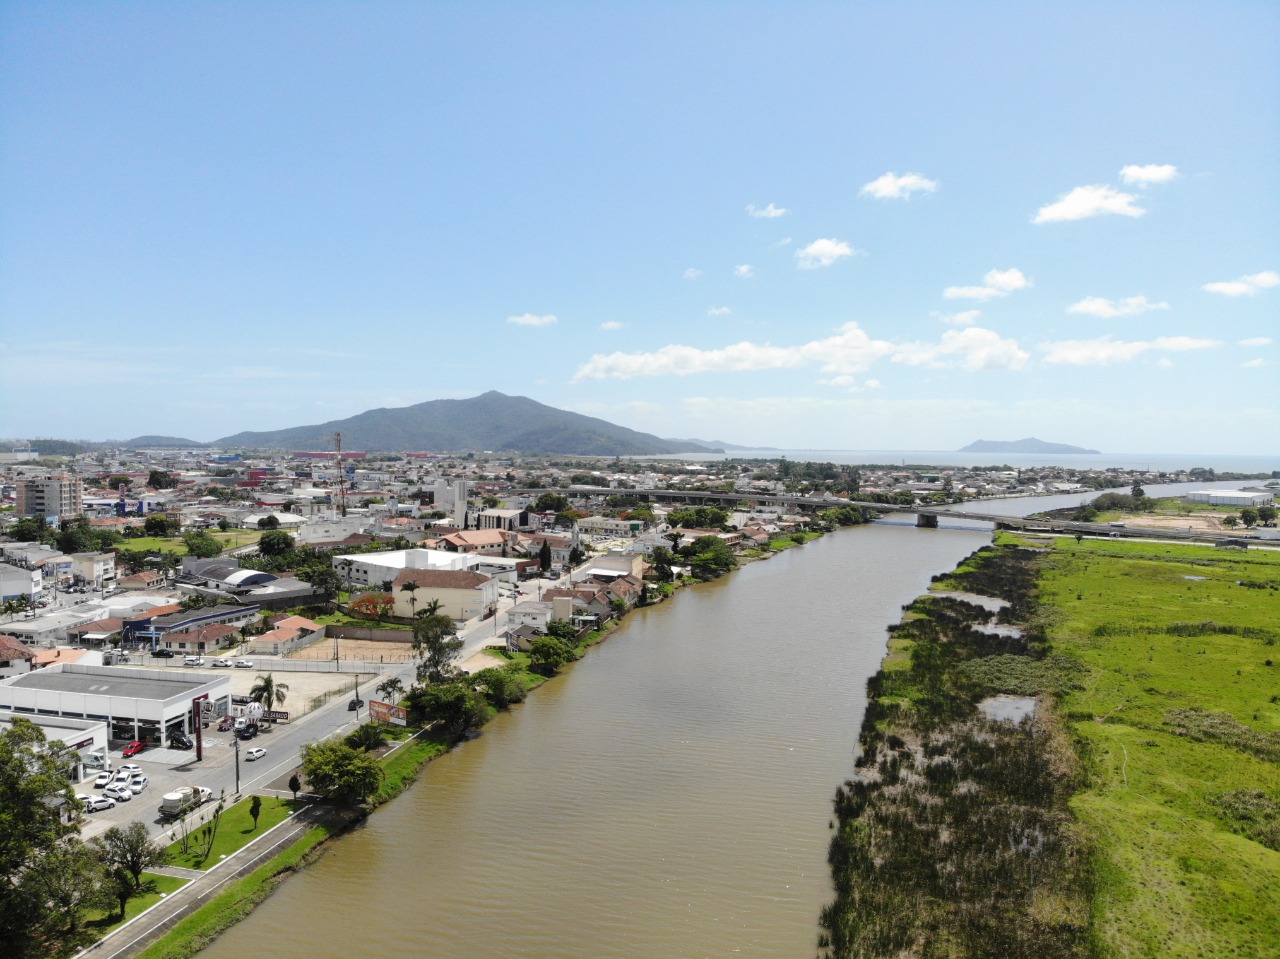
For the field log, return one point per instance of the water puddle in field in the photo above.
(1198, 579)
(991, 604)
(1008, 708)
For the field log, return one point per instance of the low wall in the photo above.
(373, 633)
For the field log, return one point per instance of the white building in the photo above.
(1231, 497)
(374, 569)
(16, 581)
(142, 704)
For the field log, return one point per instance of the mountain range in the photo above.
(492, 421)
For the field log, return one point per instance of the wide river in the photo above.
(667, 796)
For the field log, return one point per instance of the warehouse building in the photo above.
(135, 704)
(1231, 497)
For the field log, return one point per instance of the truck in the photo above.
(182, 800)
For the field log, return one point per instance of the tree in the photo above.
(548, 654)
(372, 606)
(224, 524)
(269, 522)
(544, 556)
(323, 578)
(454, 705)
(1230, 522)
(563, 630)
(698, 517)
(156, 525)
(30, 828)
(709, 556)
(69, 880)
(366, 736)
(268, 692)
(391, 689)
(576, 556)
(159, 479)
(336, 771)
(255, 810)
(437, 646)
(295, 784)
(567, 517)
(275, 542)
(500, 685)
(347, 565)
(1249, 516)
(1267, 515)
(410, 587)
(32, 529)
(201, 543)
(131, 850)
(1136, 491)
(551, 503)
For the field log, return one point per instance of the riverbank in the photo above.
(1136, 813)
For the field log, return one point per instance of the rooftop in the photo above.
(129, 684)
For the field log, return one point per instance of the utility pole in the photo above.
(342, 476)
(237, 744)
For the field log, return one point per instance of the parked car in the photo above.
(131, 768)
(134, 748)
(120, 792)
(139, 783)
(257, 752)
(221, 664)
(97, 803)
(226, 723)
(193, 661)
(162, 653)
(244, 664)
(104, 779)
(181, 741)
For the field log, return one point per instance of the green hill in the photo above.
(493, 421)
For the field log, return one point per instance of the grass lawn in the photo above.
(174, 544)
(1175, 875)
(235, 830)
(99, 923)
(786, 542)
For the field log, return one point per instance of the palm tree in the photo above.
(432, 607)
(268, 692)
(392, 689)
(410, 588)
(346, 565)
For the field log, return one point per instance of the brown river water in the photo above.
(667, 796)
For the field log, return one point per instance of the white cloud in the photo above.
(849, 351)
(995, 283)
(532, 319)
(894, 187)
(1108, 309)
(1254, 364)
(1087, 201)
(963, 318)
(1245, 285)
(1164, 363)
(785, 241)
(692, 273)
(822, 253)
(1104, 351)
(612, 325)
(769, 212)
(1256, 341)
(1150, 173)
(744, 272)
(719, 311)
(971, 349)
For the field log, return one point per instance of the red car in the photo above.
(134, 748)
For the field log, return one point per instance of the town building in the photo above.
(55, 497)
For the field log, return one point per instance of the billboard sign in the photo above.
(386, 713)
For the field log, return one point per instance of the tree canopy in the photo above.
(338, 772)
(436, 645)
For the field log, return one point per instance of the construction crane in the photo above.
(342, 476)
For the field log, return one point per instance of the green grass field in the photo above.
(235, 830)
(1175, 875)
(173, 544)
(100, 922)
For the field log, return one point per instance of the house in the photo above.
(462, 594)
(504, 519)
(15, 658)
(533, 613)
(95, 569)
(289, 633)
(491, 541)
(147, 579)
(531, 546)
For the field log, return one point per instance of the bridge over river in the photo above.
(927, 517)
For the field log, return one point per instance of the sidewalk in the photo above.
(140, 932)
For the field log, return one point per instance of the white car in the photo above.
(221, 663)
(120, 792)
(244, 664)
(104, 779)
(131, 768)
(193, 661)
(257, 752)
(138, 783)
(96, 803)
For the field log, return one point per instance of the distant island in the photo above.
(1028, 445)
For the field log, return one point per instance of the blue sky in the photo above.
(842, 226)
